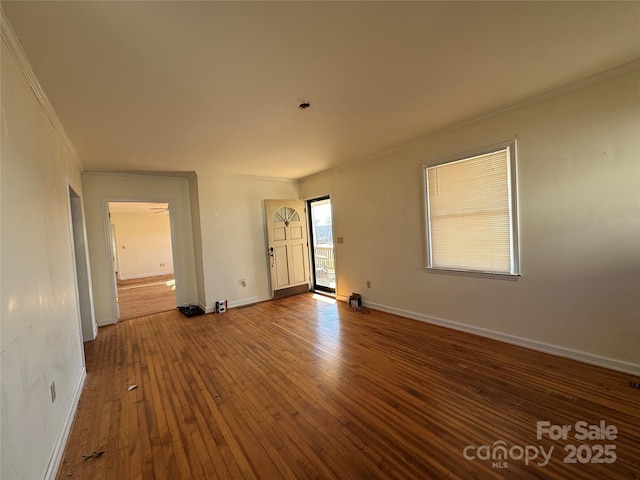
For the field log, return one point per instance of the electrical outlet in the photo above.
(53, 392)
(368, 284)
(243, 283)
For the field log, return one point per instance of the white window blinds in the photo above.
(470, 216)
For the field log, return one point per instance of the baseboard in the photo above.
(56, 457)
(205, 309)
(106, 321)
(585, 357)
(236, 303)
(247, 301)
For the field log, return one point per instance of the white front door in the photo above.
(287, 243)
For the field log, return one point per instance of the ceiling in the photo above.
(214, 87)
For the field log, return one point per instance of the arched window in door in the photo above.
(286, 215)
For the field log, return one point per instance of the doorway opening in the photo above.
(88, 326)
(142, 256)
(322, 254)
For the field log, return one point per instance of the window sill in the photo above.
(472, 273)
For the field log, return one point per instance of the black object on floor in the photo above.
(191, 310)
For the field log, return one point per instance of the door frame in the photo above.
(110, 242)
(81, 267)
(295, 287)
(312, 256)
(116, 257)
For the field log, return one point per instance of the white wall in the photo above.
(579, 191)
(233, 236)
(143, 241)
(99, 189)
(39, 323)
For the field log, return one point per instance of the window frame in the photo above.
(514, 247)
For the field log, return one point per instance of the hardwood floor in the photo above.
(145, 296)
(303, 387)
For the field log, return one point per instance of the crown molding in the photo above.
(17, 51)
(146, 174)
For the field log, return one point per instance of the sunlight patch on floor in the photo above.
(324, 298)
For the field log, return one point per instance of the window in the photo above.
(471, 212)
(286, 215)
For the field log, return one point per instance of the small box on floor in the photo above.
(355, 300)
(221, 306)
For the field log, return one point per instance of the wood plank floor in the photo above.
(145, 296)
(303, 387)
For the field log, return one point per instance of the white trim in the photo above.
(307, 203)
(247, 301)
(235, 303)
(585, 357)
(115, 307)
(223, 175)
(186, 174)
(85, 259)
(58, 450)
(74, 258)
(107, 321)
(113, 282)
(210, 309)
(474, 273)
(15, 47)
(150, 174)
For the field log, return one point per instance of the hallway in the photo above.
(144, 296)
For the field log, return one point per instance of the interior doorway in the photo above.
(88, 326)
(322, 253)
(142, 256)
